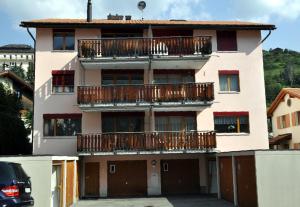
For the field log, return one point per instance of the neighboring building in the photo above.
(147, 103)
(17, 85)
(16, 55)
(285, 117)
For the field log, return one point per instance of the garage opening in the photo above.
(180, 177)
(127, 178)
(226, 178)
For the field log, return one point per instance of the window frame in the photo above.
(170, 116)
(64, 87)
(229, 74)
(115, 74)
(55, 117)
(238, 116)
(65, 33)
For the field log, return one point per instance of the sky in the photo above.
(285, 14)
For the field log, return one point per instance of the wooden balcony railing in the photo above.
(135, 47)
(145, 93)
(146, 141)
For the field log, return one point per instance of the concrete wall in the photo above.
(283, 109)
(153, 173)
(39, 169)
(251, 82)
(278, 178)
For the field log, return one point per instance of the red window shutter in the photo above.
(232, 113)
(62, 116)
(226, 41)
(63, 77)
(278, 123)
(287, 121)
(294, 118)
(228, 72)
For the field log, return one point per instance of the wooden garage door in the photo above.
(127, 178)
(180, 176)
(246, 181)
(226, 180)
(92, 179)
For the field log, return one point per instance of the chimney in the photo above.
(89, 11)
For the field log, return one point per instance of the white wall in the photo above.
(278, 178)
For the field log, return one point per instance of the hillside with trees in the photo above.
(282, 69)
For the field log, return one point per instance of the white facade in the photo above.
(251, 98)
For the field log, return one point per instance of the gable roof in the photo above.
(293, 92)
(14, 77)
(96, 23)
(16, 48)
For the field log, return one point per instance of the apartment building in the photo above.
(12, 55)
(146, 104)
(284, 114)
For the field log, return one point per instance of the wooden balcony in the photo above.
(189, 93)
(146, 141)
(141, 47)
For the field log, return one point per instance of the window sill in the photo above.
(229, 92)
(229, 51)
(64, 51)
(60, 137)
(63, 93)
(232, 134)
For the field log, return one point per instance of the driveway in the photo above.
(176, 201)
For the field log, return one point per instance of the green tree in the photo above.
(13, 134)
(19, 71)
(30, 74)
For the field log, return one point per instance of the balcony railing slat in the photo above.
(148, 141)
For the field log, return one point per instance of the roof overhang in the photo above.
(81, 23)
(280, 139)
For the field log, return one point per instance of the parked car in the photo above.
(15, 186)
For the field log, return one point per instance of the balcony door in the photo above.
(175, 122)
(117, 77)
(122, 122)
(173, 76)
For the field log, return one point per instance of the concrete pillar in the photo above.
(153, 168)
(103, 178)
(64, 184)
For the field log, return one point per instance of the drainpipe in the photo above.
(266, 37)
(32, 122)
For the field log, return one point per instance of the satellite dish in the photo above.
(141, 5)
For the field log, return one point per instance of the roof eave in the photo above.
(97, 25)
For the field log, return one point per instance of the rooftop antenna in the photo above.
(141, 5)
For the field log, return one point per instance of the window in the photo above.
(4, 56)
(122, 122)
(62, 81)
(283, 121)
(231, 122)
(229, 80)
(10, 56)
(226, 41)
(63, 39)
(175, 122)
(296, 118)
(112, 169)
(62, 124)
(172, 77)
(165, 167)
(119, 77)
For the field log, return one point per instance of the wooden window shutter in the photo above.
(294, 118)
(287, 121)
(226, 40)
(278, 123)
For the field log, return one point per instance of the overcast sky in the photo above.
(285, 14)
